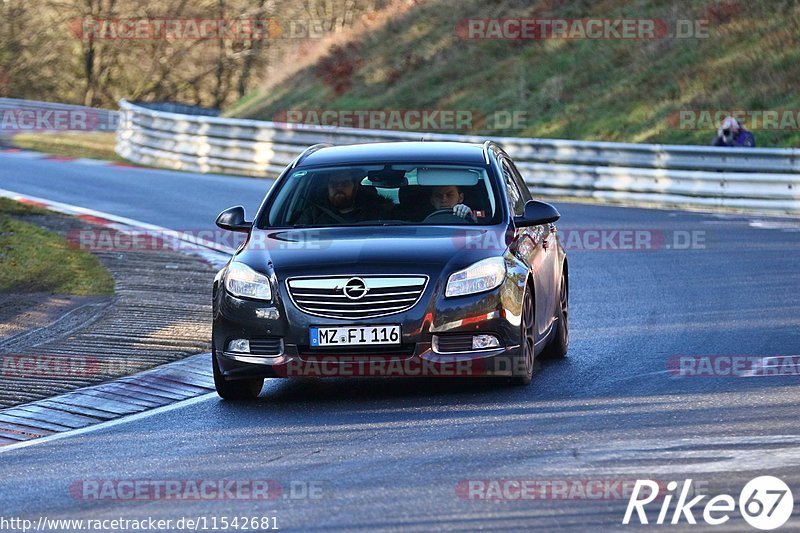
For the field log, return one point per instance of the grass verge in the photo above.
(33, 259)
(92, 145)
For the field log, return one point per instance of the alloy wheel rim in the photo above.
(528, 334)
(565, 309)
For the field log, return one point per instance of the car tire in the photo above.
(558, 345)
(527, 345)
(237, 390)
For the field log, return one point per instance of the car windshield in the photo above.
(380, 195)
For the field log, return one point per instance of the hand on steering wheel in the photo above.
(450, 211)
(463, 211)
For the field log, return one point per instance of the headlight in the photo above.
(241, 280)
(482, 276)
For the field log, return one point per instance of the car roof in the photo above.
(397, 152)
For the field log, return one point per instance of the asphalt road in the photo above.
(175, 200)
(394, 454)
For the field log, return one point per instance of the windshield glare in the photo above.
(383, 195)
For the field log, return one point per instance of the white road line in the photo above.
(109, 424)
(221, 253)
(70, 209)
(782, 225)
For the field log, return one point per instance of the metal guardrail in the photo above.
(695, 176)
(20, 116)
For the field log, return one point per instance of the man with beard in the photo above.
(346, 202)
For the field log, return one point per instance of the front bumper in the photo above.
(495, 312)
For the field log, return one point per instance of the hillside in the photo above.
(609, 89)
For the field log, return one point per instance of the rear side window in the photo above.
(523, 187)
(516, 201)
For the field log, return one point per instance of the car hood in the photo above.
(310, 251)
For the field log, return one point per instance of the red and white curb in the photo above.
(91, 408)
(165, 387)
(216, 254)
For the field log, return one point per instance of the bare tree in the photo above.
(69, 50)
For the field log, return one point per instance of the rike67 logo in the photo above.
(766, 503)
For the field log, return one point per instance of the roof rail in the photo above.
(308, 151)
(486, 146)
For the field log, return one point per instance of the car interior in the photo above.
(407, 199)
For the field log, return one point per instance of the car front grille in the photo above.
(356, 297)
(266, 346)
(452, 343)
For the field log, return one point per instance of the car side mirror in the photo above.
(232, 219)
(537, 213)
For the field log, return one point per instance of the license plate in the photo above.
(321, 336)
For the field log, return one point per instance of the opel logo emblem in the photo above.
(355, 288)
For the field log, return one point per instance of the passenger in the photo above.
(451, 197)
(732, 133)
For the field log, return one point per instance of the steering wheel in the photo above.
(327, 211)
(447, 215)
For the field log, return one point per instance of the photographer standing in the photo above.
(732, 133)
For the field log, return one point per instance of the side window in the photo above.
(515, 199)
(526, 193)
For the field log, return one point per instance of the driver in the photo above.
(341, 204)
(451, 197)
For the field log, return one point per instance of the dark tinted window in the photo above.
(526, 193)
(516, 200)
(375, 195)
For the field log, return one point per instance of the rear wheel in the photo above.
(557, 347)
(523, 370)
(243, 389)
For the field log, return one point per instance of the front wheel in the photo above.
(557, 347)
(523, 369)
(244, 389)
